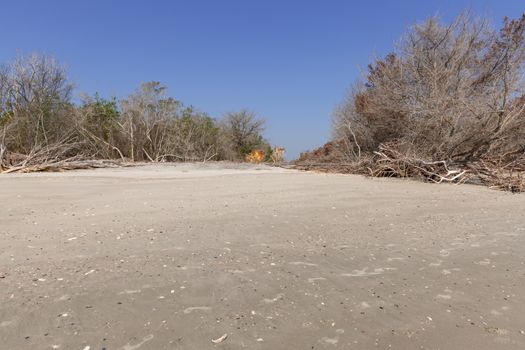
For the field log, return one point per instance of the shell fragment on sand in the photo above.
(221, 339)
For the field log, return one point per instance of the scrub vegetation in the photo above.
(447, 105)
(42, 129)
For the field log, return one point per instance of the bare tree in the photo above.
(452, 93)
(40, 128)
(146, 116)
(99, 120)
(5, 115)
(160, 128)
(37, 117)
(242, 132)
(450, 90)
(196, 136)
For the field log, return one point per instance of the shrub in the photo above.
(449, 93)
(242, 133)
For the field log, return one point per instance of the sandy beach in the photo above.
(228, 256)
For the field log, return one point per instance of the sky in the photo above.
(290, 61)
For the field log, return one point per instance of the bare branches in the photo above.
(3, 157)
(450, 88)
(242, 133)
(502, 174)
(158, 128)
(66, 164)
(390, 162)
(450, 94)
(40, 129)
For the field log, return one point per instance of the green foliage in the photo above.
(268, 152)
(198, 133)
(101, 116)
(244, 131)
(37, 115)
(5, 117)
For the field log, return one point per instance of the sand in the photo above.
(254, 257)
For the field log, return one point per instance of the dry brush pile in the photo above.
(447, 106)
(42, 129)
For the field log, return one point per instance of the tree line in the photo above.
(448, 104)
(40, 123)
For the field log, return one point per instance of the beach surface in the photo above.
(229, 256)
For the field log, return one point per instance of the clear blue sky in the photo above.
(290, 61)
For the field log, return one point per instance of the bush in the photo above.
(449, 93)
(242, 133)
(40, 125)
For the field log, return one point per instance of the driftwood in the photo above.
(497, 172)
(63, 165)
(500, 174)
(60, 156)
(392, 163)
